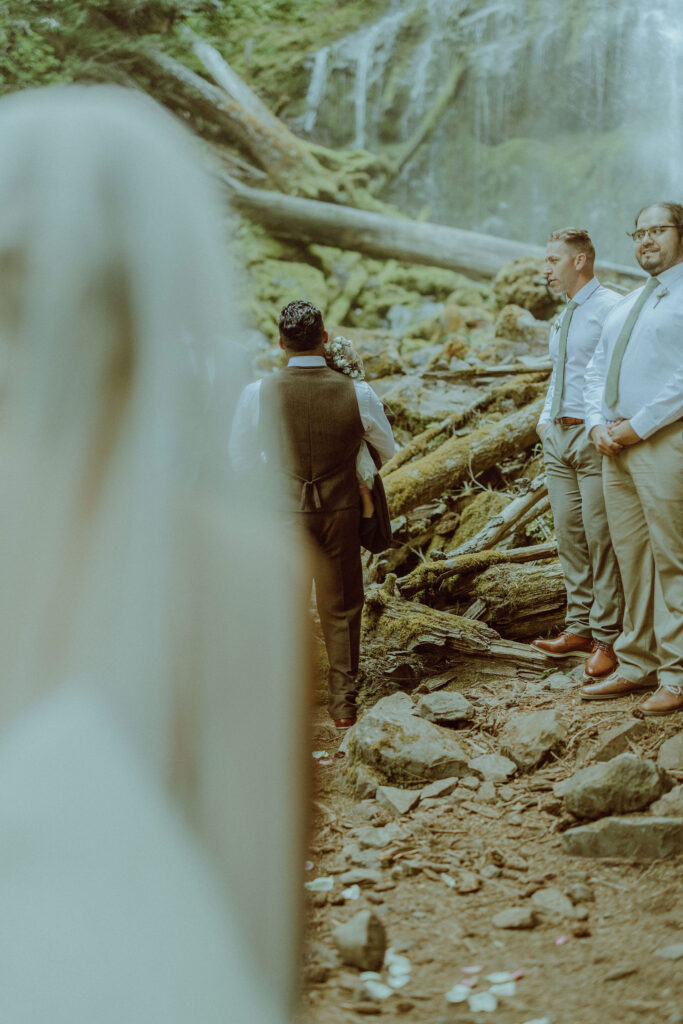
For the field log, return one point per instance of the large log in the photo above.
(385, 237)
(432, 576)
(460, 458)
(406, 641)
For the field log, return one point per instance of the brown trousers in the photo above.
(338, 577)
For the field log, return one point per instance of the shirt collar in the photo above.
(307, 361)
(668, 277)
(585, 293)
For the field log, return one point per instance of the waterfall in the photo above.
(570, 111)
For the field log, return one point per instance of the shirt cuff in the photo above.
(644, 424)
(594, 421)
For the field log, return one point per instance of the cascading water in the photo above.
(568, 111)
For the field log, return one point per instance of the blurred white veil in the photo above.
(136, 576)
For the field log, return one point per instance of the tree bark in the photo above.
(461, 457)
(503, 522)
(433, 576)
(382, 236)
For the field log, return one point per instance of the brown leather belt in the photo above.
(568, 421)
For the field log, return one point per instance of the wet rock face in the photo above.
(626, 783)
(522, 283)
(402, 747)
(527, 739)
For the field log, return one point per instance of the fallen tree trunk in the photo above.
(504, 522)
(521, 389)
(521, 600)
(432, 576)
(461, 457)
(407, 641)
(383, 236)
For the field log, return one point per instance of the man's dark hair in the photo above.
(301, 326)
(675, 211)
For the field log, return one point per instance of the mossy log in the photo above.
(504, 522)
(521, 390)
(460, 458)
(521, 600)
(435, 576)
(407, 640)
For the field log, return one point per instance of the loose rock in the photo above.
(493, 767)
(627, 838)
(674, 952)
(397, 801)
(553, 902)
(401, 745)
(626, 783)
(616, 740)
(671, 754)
(362, 941)
(439, 788)
(445, 707)
(670, 805)
(516, 917)
(529, 738)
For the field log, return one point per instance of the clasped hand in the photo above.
(611, 440)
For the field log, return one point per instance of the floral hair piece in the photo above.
(341, 355)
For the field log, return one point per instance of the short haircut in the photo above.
(301, 326)
(675, 211)
(577, 239)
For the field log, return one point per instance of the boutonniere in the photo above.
(557, 323)
(660, 295)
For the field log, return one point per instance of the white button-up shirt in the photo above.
(651, 379)
(594, 303)
(244, 451)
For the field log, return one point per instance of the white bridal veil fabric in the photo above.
(150, 701)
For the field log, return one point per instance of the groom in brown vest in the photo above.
(324, 416)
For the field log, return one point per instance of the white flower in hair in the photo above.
(341, 355)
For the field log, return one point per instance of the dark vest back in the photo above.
(320, 429)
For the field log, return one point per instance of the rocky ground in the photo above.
(517, 859)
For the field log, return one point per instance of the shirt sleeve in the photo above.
(243, 445)
(594, 386)
(375, 423)
(666, 407)
(545, 412)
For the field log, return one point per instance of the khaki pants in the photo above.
(644, 498)
(573, 471)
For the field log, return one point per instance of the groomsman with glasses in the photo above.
(573, 467)
(634, 416)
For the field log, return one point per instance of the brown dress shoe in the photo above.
(344, 723)
(566, 645)
(614, 686)
(602, 661)
(663, 702)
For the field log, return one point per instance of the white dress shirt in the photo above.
(244, 448)
(651, 378)
(594, 303)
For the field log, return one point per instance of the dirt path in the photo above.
(596, 965)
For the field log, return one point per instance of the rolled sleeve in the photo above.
(375, 423)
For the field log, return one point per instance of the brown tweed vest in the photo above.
(320, 430)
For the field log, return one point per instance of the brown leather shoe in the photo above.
(602, 661)
(566, 645)
(663, 702)
(344, 723)
(614, 686)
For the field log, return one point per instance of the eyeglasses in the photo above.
(653, 232)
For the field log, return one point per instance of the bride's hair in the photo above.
(130, 563)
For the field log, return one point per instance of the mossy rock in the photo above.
(277, 282)
(522, 283)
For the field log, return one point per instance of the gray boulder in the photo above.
(626, 783)
(529, 738)
(638, 838)
(671, 754)
(493, 767)
(445, 707)
(402, 747)
(670, 805)
(362, 941)
(616, 740)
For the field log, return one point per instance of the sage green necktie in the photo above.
(612, 384)
(562, 359)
